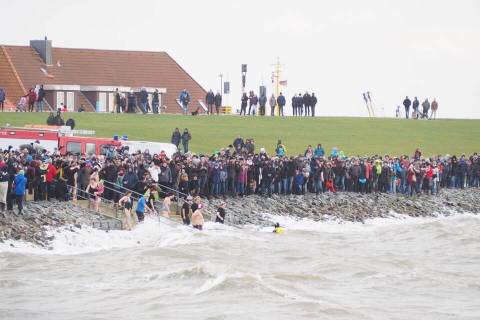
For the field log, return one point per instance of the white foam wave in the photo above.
(336, 225)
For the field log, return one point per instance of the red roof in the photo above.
(91, 67)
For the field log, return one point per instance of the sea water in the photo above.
(383, 269)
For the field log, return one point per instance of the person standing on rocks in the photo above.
(20, 184)
(4, 177)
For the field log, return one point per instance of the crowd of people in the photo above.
(302, 105)
(34, 99)
(236, 170)
(418, 113)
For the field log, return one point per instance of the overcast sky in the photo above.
(337, 49)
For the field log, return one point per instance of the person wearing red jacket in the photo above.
(32, 97)
(50, 179)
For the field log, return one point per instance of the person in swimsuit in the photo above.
(197, 218)
(127, 202)
(93, 191)
(165, 211)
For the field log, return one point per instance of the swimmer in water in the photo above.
(277, 229)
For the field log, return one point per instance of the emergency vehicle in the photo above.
(65, 140)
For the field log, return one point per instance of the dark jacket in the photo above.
(313, 100)
(210, 98)
(218, 100)
(307, 99)
(41, 94)
(186, 136)
(143, 96)
(262, 101)
(407, 103)
(281, 101)
(176, 137)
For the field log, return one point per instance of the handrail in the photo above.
(85, 198)
(135, 192)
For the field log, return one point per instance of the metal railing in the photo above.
(117, 223)
(175, 191)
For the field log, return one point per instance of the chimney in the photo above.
(44, 49)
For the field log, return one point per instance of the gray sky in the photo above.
(337, 49)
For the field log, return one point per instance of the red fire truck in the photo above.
(54, 138)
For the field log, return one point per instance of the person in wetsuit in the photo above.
(220, 218)
(186, 210)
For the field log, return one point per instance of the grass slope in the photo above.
(355, 136)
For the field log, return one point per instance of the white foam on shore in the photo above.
(71, 241)
(340, 226)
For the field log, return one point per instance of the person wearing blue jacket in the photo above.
(299, 181)
(281, 103)
(319, 151)
(20, 185)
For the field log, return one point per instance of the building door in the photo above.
(111, 102)
(60, 99)
(102, 102)
(70, 101)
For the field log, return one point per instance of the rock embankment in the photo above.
(39, 217)
(347, 206)
(32, 226)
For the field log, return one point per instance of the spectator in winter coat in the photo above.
(273, 103)
(294, 105)
(313, 103)
(434, 109)
(40, 98)
(143, 100)
(262, 102)
(186, 137)
(210, 99)
(4, 178)
(20, 186)
(243, 107)
(218, 102)
(2, 98)
(300, 105)
(32, 97)
(415, 106)
(281, 102)
(426, 108)
(306, 99)
(155, 102)
(407, 103)
(253, 105)
(176, 137)
(184, 99)
(319, 151)
(132, 102)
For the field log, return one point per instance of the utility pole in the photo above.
(276, 76)
(221, 84)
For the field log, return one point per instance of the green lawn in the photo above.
(355, 136)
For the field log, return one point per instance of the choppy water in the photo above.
(385, 269)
